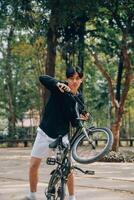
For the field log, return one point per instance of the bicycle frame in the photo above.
(66, 154)
(64, 165)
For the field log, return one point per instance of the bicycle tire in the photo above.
(56, 187)
(86, 152)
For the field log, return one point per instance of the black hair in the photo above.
(70, 71)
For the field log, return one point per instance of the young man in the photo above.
(59, 113)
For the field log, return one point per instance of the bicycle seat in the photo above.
(57, 142)
(54, 144)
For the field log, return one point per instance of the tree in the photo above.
(115, 30)
(12, 15)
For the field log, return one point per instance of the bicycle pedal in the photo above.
(89, 172)
(51, 161)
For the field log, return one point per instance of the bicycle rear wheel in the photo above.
(56, 187)
(88, 150)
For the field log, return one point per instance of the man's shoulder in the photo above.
(79, 95)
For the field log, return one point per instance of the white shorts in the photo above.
(41, 145)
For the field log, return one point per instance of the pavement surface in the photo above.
(112, 181)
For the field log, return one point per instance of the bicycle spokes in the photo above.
(90, 150)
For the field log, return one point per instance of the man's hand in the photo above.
(63, 87)
(84, 117)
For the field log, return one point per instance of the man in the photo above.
(59, 113)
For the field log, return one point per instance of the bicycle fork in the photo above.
(86, 134)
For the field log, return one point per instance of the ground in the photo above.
(112, 181)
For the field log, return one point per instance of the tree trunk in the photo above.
(10, 87)
(81, 49)
(116, 128)
(51, 58)
(51, 52)
(116, 135)
(119, 78)
(81, 46)
(118, 106)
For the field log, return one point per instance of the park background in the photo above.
(45, 37)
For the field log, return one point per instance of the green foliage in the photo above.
(96, 94)
(17, 12)
(103, 21)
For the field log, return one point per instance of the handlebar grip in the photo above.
(89, 172)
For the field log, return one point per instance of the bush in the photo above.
(125, 156)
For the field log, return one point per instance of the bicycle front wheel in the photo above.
(92, 148)
(56, 188)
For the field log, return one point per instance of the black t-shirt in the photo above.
(60, 110)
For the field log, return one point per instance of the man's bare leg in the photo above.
(33, 173)
(33, 178)
(70, 185)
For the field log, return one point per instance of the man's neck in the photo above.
(74, 92)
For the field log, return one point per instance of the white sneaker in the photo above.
(29, 198)
(72, 198)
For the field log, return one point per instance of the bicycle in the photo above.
(86, 145)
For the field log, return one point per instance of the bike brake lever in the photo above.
(89, 172)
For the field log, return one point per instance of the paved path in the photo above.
(112, 181)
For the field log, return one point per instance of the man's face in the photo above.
(74, 82)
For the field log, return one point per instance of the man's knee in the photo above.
(34, 163)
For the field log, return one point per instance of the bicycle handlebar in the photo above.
(81, 103)
(89, 172)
